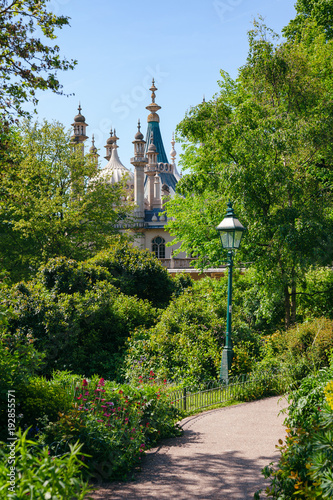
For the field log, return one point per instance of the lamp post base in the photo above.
(227, 355)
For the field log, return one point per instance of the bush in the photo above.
(61, 275)
(82, 332)
(306, 463)
(19, 360)
(184, 345)
(30, 471)
(115, 423)
(136, 272)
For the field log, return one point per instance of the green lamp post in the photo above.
(231, 232)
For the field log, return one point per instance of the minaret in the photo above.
(139, 161)
(154, 127)
(151, 169)
(79, 126)
(93, 150)
(109, 144)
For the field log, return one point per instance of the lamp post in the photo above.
(231, 232)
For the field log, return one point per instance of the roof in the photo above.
(114, 169)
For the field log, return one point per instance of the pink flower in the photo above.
(86, 393)
(79, 397)
(121, 392)
(84, 382)
(99, 420)
(101, 382)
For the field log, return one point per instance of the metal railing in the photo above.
(215, 392)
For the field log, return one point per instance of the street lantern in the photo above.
(231, 232)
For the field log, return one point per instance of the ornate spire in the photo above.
(173, 153)
(153, 107)
(93, 149)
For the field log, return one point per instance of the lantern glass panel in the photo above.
(237, 238)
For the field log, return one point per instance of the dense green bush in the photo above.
(137, 272)
(306, 463)
(19, 360)
(82, 332)
(29, 471)
(184, 345)
(61, 275)
(316, 297)
(300, 350)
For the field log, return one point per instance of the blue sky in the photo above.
(121, 45)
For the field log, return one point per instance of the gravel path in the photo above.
(219, 456)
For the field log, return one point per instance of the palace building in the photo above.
(151, 183)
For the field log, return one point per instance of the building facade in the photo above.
(151, 183)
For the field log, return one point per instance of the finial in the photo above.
(153, 88)
(173, 153)
(204, 99)
(139, 125)
(93, 140)
(79, 108)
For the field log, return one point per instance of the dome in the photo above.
(79, 118)
(114, 171)
(138, 136)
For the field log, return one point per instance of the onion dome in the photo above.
(79, 118)
(138, 136)
(93, 149)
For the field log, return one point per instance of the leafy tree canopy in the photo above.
(320, 11)
(52, 202)
(265, 142)
(28, 64)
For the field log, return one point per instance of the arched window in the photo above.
(158, 247)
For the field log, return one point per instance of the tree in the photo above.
(52, 202)
(265, 142)
(320, 11)
(27, 64)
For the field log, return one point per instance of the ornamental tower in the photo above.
(139, 161)
(79, 126)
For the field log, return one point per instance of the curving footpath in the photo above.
(219, 456)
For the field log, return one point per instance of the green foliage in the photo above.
(40, 400)
(318, 12)
(137, 272)
(115, 423)
(19, 360)
(30, 471)
(52, 202)
(27, 64)
(316, 298)
(300, 349)
(82, 332)
(305, 466)
(185, 344)
(61, 275)
(274, 122)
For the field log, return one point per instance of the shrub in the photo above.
(19, 360)
(306, 462)
(82, 332)
(61, 275)
(32, 472)
(136, 272)
(115, 423)
(184, 345)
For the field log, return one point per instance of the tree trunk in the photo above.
(287, 317)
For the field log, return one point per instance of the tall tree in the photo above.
(27, 63)
(52, 201)
(319, 11)
(265, 142)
